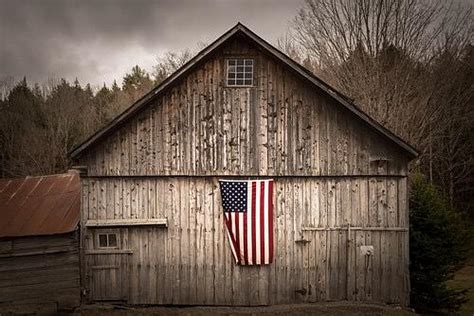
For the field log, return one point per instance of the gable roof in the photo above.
(43, 205)
(300, 70)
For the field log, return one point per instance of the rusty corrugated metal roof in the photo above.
(43, 205)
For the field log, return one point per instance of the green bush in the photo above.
(438, 246)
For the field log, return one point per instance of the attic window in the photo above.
(239, 72)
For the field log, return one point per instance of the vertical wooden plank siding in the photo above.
(281, 126)
(189, 262)
(339, 186)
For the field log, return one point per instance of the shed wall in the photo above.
(39, 274)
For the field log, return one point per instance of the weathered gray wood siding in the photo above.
(282, 126)
(190, 262)
(39, 274)
(331, 172)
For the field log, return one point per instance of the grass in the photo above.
(464, 279)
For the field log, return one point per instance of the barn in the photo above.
(152, 227)
(39, 244)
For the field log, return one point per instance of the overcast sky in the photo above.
(99, 41)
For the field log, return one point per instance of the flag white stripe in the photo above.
(241, 234)
(249, 222)
(265, 223)
(252, 245)
(257, 223)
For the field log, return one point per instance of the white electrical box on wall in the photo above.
(367, 250)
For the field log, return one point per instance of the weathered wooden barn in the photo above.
(152, 220)
(39, 244)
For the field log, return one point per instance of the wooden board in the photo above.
(317, 257)
(332, 173)
(280, 126)
(40, 274)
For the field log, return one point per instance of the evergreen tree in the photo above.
(102, 100)
(20, 117)
(137, 80)
(135, 85)
(115, 88)
(23, 103)
(437, 249)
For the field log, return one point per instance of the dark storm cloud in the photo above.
(98, 41)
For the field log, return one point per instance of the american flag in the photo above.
(248, 217)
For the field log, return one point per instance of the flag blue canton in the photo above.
(234, 196)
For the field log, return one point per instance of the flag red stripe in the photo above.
(228, 223)
(245, 239)
(249, 223)
(270, 220)
(237, 235)
(251, 235)
(254, 235)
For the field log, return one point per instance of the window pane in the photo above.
(102, 240)
(239, 72)
(112, 240)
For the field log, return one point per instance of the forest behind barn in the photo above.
(408, 64)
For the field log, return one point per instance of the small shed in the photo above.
(39, 244)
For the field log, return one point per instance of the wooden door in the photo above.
(108, 277)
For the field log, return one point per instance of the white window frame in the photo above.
(233, 72)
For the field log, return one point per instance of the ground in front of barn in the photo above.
(330, 309)
(464, 278)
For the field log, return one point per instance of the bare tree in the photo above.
(404, 62)
(376, 52)
(169, 63)
(330, 30)
(6, 84)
